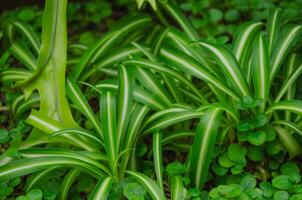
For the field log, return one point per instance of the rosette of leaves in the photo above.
(150, 84)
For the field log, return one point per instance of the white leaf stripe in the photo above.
(67, 183)
(195, 70)
(261, 69)
(101, 190)
(157, 154)
(167, 121)
(49, 126)
(283, 49)
(149, 81)
(79, 99)
(273, 27)
(289, 82)
(139, 94)
(38, 177)
(124, 102)
(177, 190)
(287, 105)
(203, 145)
(79, 132)
(30, 165)
(41, 152)
(24, 56)
(231, 67)
(108, 120)
(243, 38)
(149, 184)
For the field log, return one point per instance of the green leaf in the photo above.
(289, 167)
(267, 189)
(4, 137)
(255, 153)
(151, 186)
(134, 191)
(273, 27)
(177, 188)
(124, 101)
(225, 161)
(101, 190)
(292, 146)
(108, 122)
(157, 155)
(281, 195)
(230, 67)
(35, 194)
(215, 15)
(151, 2)
(288, 37)
(257, 137)
(219, 170)
(248, 182)
(294, 106)
(229, 191)
(175, 168)
(260, 64)
(203, 145)
(282, 182)
(236, 152)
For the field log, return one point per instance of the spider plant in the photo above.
(143, 83)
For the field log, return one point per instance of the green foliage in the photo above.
(145, 108)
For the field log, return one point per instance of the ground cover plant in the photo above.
(150, 109)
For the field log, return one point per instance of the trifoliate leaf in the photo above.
(256, 137)
(35, 194)
(134, 191)
(289, 168)
(22, 197)
(294, 177)
(175, 168)
(214, 193)
(229, 191)
(194, 192)
(255, 193)
(237, 169)
(281, 195)
(236, 152)
(267, 188)
(282, 182)
(260, 120)
(255, 153)
(248, 182)
(219, 170)
(225, 161)
(215, 15)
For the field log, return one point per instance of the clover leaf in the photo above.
(282, 182)
(256, 138)
(134, 191)
(236, 152)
